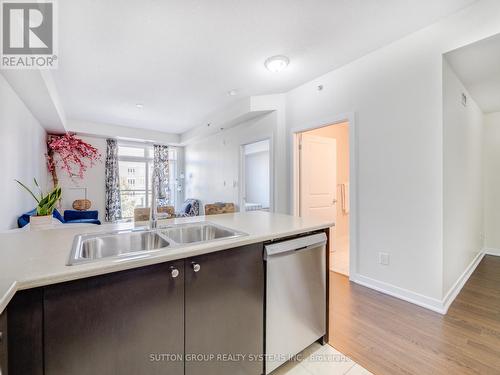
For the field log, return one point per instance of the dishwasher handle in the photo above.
(297, 244)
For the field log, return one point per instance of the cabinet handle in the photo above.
(174, 272)
(196, 267)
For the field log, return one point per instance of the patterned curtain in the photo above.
(160, 175)
(113, 201)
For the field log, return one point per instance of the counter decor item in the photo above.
(82, 204)
(46, 204)
(71, 154)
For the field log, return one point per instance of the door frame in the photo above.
(349, 117)
(242, 179)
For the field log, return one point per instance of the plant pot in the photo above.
(41, 222)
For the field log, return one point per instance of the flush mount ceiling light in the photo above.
(232, 92)
(276, 64)
(139, 106)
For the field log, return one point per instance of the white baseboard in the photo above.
(490, 251)
(459, 284)
(434, 304)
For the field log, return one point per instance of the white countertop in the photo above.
(30, 259)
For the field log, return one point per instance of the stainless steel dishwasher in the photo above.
(295, 297)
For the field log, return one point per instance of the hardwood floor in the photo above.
(389, 336)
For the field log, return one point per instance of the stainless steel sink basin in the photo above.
(118, 244)
(141, 243)
(198, 232)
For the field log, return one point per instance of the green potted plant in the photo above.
(46, 204)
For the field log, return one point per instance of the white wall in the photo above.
(212, 164)
(94, 180)
(396, 95)
(257, 178)
(492, 181)
(463, 178)
(22, 155)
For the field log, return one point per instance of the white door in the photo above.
(318, 177)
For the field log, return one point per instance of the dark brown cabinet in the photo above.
(121, 323)
(3, 344)
(25, 333)
(225, 312)
(202, 315)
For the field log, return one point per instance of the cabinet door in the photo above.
(225, 312)
(25, 333)
(129, 322)
(3, 344)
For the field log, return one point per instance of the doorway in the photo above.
(322, 166)
(256, 180)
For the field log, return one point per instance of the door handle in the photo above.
(174, 272)
(196, 267)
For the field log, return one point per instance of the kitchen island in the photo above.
(132, 315)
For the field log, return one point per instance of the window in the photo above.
(135, 163)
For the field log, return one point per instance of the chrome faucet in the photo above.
(153, 215)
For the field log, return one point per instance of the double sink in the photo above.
(138, 243)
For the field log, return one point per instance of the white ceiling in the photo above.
(478, 66)
(180, 58)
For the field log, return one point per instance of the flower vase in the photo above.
(41, 222)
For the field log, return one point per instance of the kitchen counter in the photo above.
(30, 259)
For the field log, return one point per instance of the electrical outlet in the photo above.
(384, 258)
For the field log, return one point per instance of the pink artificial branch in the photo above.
(72, 152)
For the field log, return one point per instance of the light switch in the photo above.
(384, 259)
